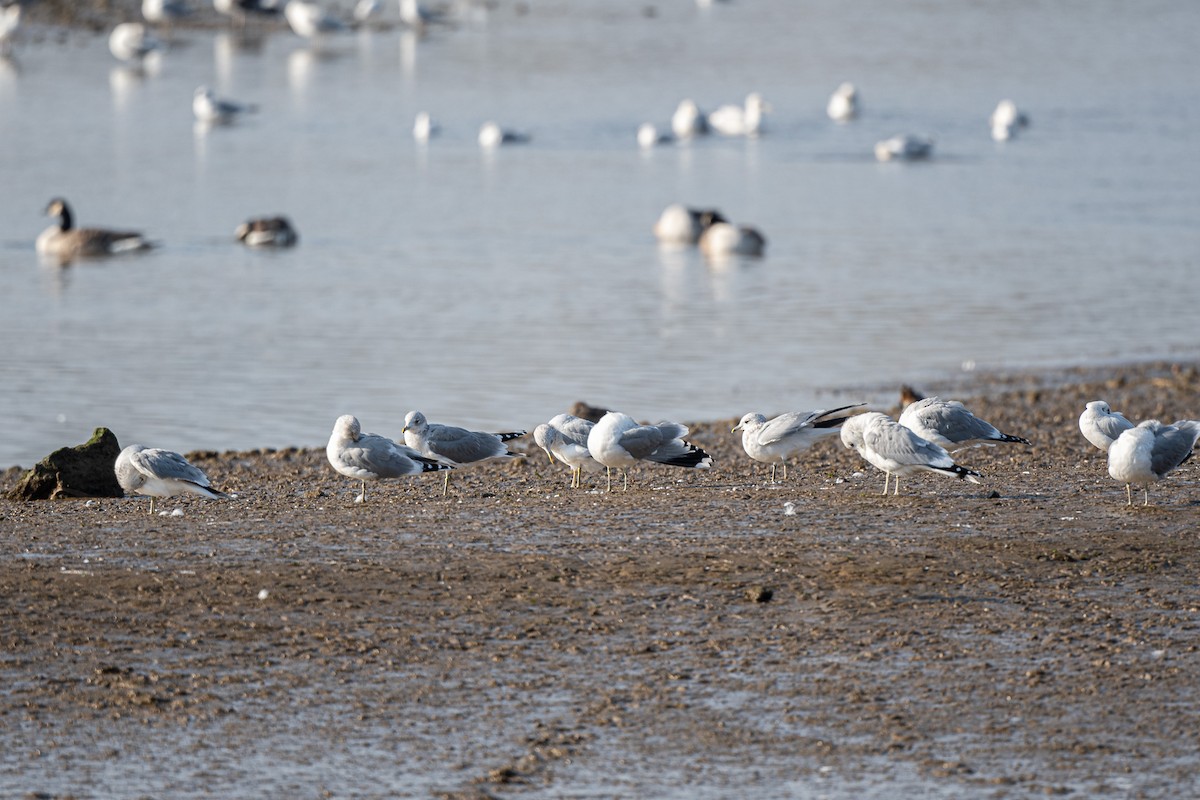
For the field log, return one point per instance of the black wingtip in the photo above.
(964, 473)
(504, 437)
(432, 465)
(1004, 437)
(827, 419)
(694, 458)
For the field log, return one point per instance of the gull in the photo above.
(687, 121)
(775, 441)
(722, 239)
(904, 148)
(207, 107)
(843, 103)
(367, 456)
(618, 441)
(679, 224)
(131, 42)
(65, 242)
(747, 120)
(1148, 451)
(309, 19)
(10, 21)
(648, 136)
(456, 446)
(164, 12)
(565, 437)
(160, 473)
(239, 11)
(416, 15)
(424, 128)
(492, 135)
(948, 424)
(1006, 120)
(894, 449)
(267, 232)
(1100, 425)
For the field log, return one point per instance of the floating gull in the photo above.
(618, 441)
(424, 128)
(267, 232)
(366, 456)
(1148, 451)
(723, 239)
(843, 103)
(687, 121)
(648, 136)
(775, 441)
(209, 108)
(904, 148)
(1101, 425)
(733, 120)
(1006, 120)
(456, 446)
(948, 424)
(164, 12)
(492, 135)
(239, 11)
(131, 42)
(418, 16)
(679, 224)
(65, 242)
(894, 449)
(309, 19)
(565, 437)
(160, 473)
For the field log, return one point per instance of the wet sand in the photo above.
(1031, 636)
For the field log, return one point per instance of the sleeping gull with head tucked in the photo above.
(456, 446)
(618, 441)
(565, 438)
(948, 424)
(366, 456)
(905, 147)
(894, 449)
(1100, 425)
(776, 440)
(1148, 451)
(160, 473)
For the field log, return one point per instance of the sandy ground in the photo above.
(690, 638)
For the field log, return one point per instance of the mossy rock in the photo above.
(82, 471)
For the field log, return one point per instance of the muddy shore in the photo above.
(1032, 636)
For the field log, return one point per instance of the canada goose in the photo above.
(65, 242)
(207, 107)
(267, 232)
(726, 239)
(904, 148)
(843, 103)
(744, 120)
(131, 42)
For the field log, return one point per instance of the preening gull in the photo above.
(776, 440)
(1101, 425)
(456, 446)
(894, 449)
(160, 473)
(619, 441)
(1148, 451)
(565, 438)
(366, 456)
(948, 424)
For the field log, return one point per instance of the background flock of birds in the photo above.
(924, 439)
(135, 42)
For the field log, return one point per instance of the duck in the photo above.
(65, 242)
(492, 135)
(688, 121)
(207, 107)
(843, 103)
(723, 239)
(904, 148)
(267, 232)
(131, 42)
(744, 120)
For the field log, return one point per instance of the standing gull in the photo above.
(366, 456)
(948, 424)
(1148, 451)
(894, 449)
(1101, 425)
(160, 473)
(565, 438)
(618, 441)
(456, 446)
(775, 441)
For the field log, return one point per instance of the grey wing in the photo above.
(1113, 425)
(786, 425)
(1172, 446)
(957, 424)
(382, 456)
(643, 440)
(576, 430)
(905, 447)
(167, 464)
(463, 446)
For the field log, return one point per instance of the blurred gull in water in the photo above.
(1006, 120)
(723, 239)
(678, 224)
(843, 103)
(267, 232)
(310, 19)
(687, 121)
(905, 147)
(734, 120)
(492, 135)
(649, 136)
(424, 128)
(131, 42)
(10, 21)
(209, 108)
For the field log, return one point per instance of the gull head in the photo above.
(347, 427)
(749, 422)
(414, 420)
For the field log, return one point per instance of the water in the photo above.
(494, 290)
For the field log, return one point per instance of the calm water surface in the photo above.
(494, 290)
